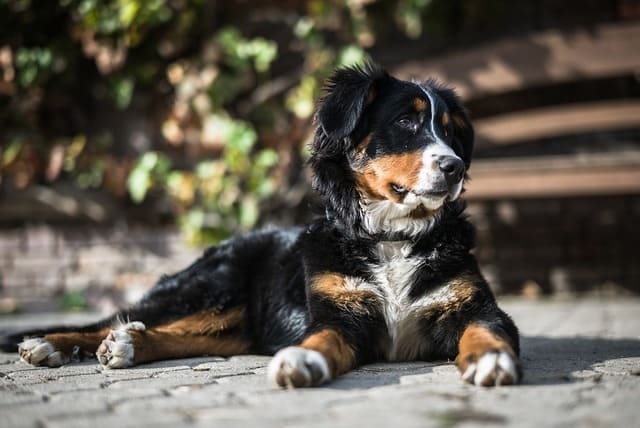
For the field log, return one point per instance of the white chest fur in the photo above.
(394, 276)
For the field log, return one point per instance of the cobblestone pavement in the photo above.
(581, 359)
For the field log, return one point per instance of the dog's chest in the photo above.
(394, 274)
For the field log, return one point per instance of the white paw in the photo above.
(493, 369)
(116, 351)
(39, 352)
(297, 367)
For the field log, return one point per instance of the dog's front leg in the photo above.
(344, 319)
(488, 358)
(320, 357)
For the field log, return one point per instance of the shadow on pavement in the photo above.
(546, 361)
(557, 360)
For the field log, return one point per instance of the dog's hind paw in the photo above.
(117, 350)
(39, 352)
(493, 368)
(296, 367)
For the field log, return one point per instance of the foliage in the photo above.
(73, 301)
(196, 71)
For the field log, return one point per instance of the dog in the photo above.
(385, 274)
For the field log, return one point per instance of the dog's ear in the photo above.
(462, 129)
(348, 92)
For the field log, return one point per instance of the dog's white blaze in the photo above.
(440, 148)
(394, 276)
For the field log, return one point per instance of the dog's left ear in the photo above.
(348, 92)
(461, 124)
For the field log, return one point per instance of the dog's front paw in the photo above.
(39, 352)
(117, 350)
(493, 368)
(297, 367)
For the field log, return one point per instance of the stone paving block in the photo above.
(10, 398)
(111, 420)
(38, 414)
(581, 358)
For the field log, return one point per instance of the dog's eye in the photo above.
(406, 122)
(398, 189)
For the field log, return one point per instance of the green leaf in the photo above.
(301, 99)
(351, 55)
(11, 152)
(194, 219)
(73, 300)
(148, 161)
(266, 158)
(264, 188)
(264, 52)
(121, 91)
(128, 11)
(249, 212)
(174, 180)
(303, 27)
(241, 137)
(138, 183)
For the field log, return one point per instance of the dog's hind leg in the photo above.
(209, 286)
(57, 349)
(130, 343)
(204, 333)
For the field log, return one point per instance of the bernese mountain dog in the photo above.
(385, 274)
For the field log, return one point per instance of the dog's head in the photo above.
(389, 154)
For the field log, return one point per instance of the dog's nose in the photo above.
(452, 167)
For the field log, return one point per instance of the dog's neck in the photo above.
(447, 220)
(386, 218)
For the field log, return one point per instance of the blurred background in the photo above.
(135, 132)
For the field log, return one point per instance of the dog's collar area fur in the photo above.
(452, 212)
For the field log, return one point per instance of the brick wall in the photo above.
(39, 264)
(560, 246)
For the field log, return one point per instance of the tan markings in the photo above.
(336, 350)
(374, 180)
(419, 105)
(459, 121)
(445, 119)
(461, 291)
(204, 333)
(477, 341)
(86, 342)
(205, 323)
(334, 287)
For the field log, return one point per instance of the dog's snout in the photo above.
(452, 167)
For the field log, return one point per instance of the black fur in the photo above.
(269, 271)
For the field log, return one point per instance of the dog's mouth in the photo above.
(435, 195)
(427, 201)
(420, 212)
